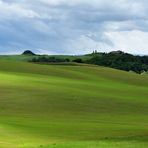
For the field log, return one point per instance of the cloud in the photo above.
(130, 41)
(73, 27)
(14, 10)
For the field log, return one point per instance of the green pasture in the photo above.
(57, 106)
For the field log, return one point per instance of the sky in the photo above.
(73, 26)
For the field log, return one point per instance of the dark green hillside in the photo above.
(120, 60)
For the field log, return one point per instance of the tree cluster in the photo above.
(121, 60)
(45, 59)
(115, 59)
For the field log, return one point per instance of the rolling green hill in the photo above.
(30, 57)
(57, 106)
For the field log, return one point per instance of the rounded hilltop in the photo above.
(28, 52)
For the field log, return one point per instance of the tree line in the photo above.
(116, 59)
(120, 60)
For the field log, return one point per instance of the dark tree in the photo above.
(78, 60)
(28, 52)
(121, 60)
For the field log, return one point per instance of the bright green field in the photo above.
(51, 106)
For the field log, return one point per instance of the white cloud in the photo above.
(135, 41)
(74, 26)
(15, 10)
(85, 44)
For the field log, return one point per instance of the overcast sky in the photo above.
(73, 26)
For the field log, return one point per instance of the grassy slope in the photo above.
(27, 57)
(72, 106)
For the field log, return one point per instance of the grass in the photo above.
(100, 144)
(30, 57)
(57, 106)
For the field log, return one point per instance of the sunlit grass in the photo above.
(71, 106)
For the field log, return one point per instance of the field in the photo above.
(57, 106)
(26, 58)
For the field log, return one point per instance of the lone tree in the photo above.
(28, 52)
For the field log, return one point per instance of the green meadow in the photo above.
(26, 58)
(61, 106)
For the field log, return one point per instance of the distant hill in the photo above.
(120, 60)
(115, 59)
(28, 52)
